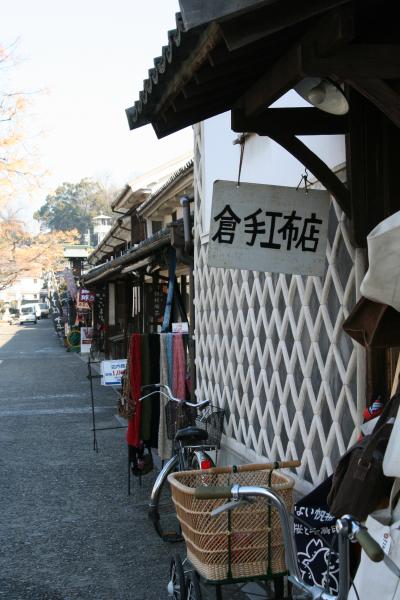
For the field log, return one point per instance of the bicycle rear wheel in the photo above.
(161, 509)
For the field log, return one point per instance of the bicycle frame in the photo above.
(181, 459)
(169, 467)
(165, 471)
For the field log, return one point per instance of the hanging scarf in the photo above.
(164, 444)
(135, 376)
(179, 370)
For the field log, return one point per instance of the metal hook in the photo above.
(241, 139)
(304, 178)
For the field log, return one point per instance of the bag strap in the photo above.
(378, 436)
(395, 383)
(395, 501)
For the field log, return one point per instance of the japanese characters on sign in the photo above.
(112, 371)
(86, 295)
(268, 228)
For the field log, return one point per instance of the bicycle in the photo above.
(193, 436)
(185, 585)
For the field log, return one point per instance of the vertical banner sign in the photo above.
(70, 282)
(268, 228)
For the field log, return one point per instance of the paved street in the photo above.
(67, 526)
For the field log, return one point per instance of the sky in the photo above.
(87, 60)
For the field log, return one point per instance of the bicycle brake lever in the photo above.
(231, 506)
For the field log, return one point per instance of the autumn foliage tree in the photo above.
(24, 254)
(21, 252)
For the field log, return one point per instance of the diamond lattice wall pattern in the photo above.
(271, 350)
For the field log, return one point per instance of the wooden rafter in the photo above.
(316, 166)
(294, 121)
(328, 35)
(356, 61)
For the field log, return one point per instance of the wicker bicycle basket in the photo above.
(239, 544)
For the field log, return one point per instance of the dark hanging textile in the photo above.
(135, 375)
(147, 404)
(154, 346)
(144, 369)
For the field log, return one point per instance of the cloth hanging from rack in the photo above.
(154, 348)
(145, 423)
(135, 375)
(179, 370)
(164, 444)
(150, 346)
(170, 360)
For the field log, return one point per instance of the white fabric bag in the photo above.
(382, 280)
(374, 581)
(391, 460)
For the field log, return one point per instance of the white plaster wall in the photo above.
(239, 351)
(264, 161)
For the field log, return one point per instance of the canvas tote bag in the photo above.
(382, 280)
(374, 581)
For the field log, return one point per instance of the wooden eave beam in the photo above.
(264, 22)
(170, 121)
(283, 76)
(356, 61)
(326, 36)
(293, 121)
(316, 166)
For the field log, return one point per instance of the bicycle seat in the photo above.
(191, 435)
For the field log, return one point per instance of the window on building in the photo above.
(174, 216)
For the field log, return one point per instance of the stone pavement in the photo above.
(68, 529)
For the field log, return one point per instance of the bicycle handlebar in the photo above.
(213, 493)
(347, 527)
(158, 388)
(370, 546)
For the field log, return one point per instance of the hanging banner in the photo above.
(81, 306)
(86, 295)
(112, 371)
(268, 228)
(70, 282)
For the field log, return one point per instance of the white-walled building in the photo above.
(23, 290)
(269, 346)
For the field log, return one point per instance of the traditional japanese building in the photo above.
(130, 267)
(270, 346)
